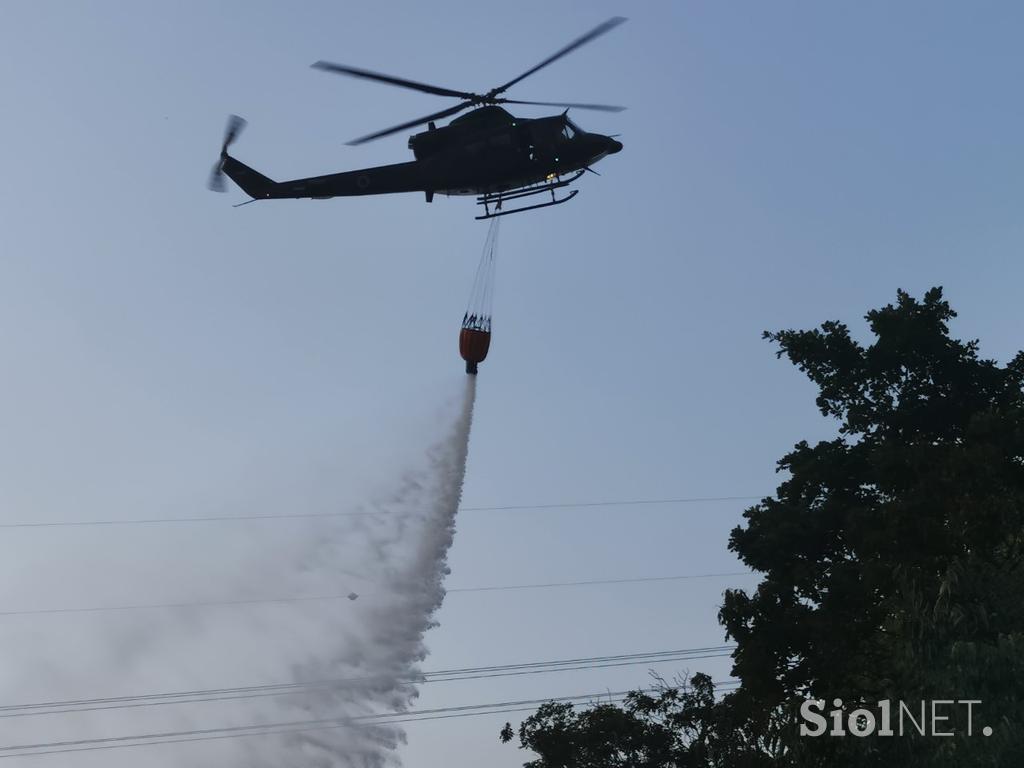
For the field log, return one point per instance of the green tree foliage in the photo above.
(891, 556)
(892, 569)
(673, 727)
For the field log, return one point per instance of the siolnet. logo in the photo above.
(938, 717)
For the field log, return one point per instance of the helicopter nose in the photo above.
(598, 145)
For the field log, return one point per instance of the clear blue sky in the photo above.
(784, 164)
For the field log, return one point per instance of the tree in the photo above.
(892, 568)
(891, 555)
(678, 726)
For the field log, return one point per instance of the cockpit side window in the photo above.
(569, 130)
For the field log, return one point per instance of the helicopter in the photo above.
(487, 152)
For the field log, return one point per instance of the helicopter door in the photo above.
(545, 136)
(501, 140)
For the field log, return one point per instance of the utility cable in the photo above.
(315, 598)
(20, 750)
(642, 579)
(278, 689)
(314, 515)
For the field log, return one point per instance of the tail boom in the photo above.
(381, 180)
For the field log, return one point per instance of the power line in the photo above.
(308, 688)
(315, 598)
(638, 580)
(426, 677)
(262, 729)
(278, 689)
(314, 515)
(631, 502)
(272, 732)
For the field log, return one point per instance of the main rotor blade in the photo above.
(597, 31)
(366, 74)
(419, 121)
(598, 107)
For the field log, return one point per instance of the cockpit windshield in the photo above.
(569, 130)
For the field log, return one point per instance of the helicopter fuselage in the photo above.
(487, 151)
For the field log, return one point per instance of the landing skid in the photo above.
(497, 199)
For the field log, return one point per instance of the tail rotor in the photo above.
(234, 127)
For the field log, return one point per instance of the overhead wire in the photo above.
(441, 676)
(281, 689)
(361, 513)
(592, 582)
(316, 598)
(263, 729)
(631, 502)
(326, 687)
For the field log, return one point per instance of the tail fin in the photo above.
(255, 184)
